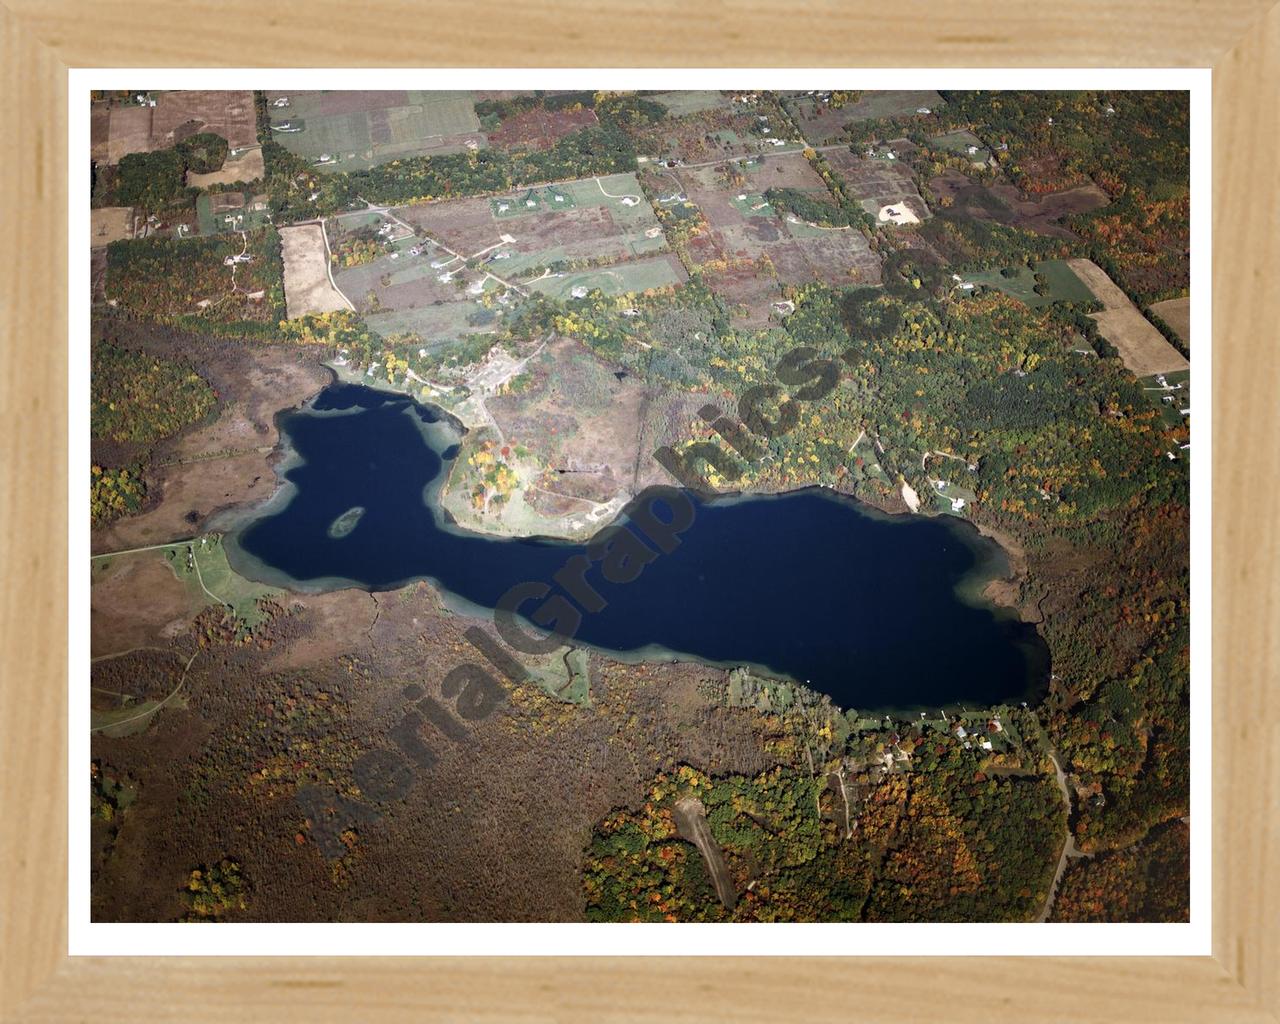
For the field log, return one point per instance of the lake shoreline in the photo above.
(985, 565)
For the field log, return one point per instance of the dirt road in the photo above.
(691, 823)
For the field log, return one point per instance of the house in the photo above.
(957, 504)
(578, 291)
(971, 150)
(923, 110)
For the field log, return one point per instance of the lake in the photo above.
(880, 612)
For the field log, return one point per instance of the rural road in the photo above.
(691, 824)
(1068, 847)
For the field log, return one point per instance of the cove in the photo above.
(879, 612)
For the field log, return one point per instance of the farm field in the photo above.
(1177, 314)
(1063, 284)
(1143, 349)
(306, 278)
(127, 128)
(822, 124)
(691, 101)
(359, 130)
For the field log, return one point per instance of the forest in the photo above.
(941, 840)
(223, 278)
(1134, 145)
(137, 398)
(155, 182)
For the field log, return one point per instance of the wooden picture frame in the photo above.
(39, 41)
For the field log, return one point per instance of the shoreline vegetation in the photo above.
(991, 576)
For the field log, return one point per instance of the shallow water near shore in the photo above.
(877, 611)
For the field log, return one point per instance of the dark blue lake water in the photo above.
(879, 612)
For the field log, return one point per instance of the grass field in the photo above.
(202, 565)
(437, 326)
(359, 130)
(691, 101)
(959, 143)
(565, 678)
(753, 204)
(1063, 284)
(619, 279)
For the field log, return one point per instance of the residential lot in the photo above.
(520, 236)
(359, 130)
(1143, 349)
(879, 184)
(437, 262)
(231, 211)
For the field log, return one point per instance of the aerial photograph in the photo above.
(633, 506)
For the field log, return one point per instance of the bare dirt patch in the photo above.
(306, 276)
(109, 224)
(1143, 349)
(246, 167)
(176, 116)
(180, 114)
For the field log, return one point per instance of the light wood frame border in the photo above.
(1239, 39)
